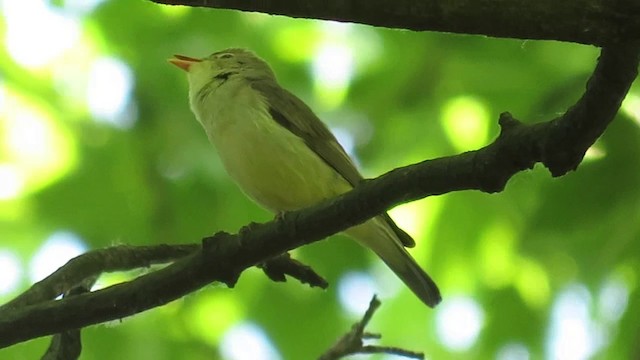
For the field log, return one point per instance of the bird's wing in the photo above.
(287, 110)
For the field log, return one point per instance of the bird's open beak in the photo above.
(183, 62)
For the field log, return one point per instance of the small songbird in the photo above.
(281, 155)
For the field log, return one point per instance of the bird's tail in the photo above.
(379, 237)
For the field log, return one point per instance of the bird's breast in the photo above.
(270, 164)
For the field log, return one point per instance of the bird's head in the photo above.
(221, 65)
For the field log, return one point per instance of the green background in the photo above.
(548, 268)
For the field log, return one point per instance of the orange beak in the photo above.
(183, 62)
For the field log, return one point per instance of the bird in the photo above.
(282, 155)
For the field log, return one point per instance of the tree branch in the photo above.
(595, 22)
(94, 263)
(68, 345)
(277, 268)
(559, 144)
(353, 342)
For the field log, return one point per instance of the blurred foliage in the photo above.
(548, 267)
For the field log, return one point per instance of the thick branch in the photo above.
(596, 22)
(558, 144)
(68, 345)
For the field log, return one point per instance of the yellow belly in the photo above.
(270, 164)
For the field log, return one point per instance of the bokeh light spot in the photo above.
(333, 66)
(497, 255)
(3, 94)
(109, 91)
(37, 148)
(345, 138)
(10, 272)
(82, 7)
(466, 122)
(11, 182)
(59, 248)
(572, 334)
(355, 290)
(631, 107)
(295, 44)
(458, 322)
(513, 351)
(410, 218)
(38, 33)
(532, 283)
(613, 299)
(212, 313)
(332, 72)
(247, 342)
(595, 152)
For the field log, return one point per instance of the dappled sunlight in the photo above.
(332, 72)
(56, 250)
(595, 152)
(419, 219)
(112, 278)
(295, 43)
(12, 210)
(416, 218)
(57, 32)
(10, 271)
(613, 299)
(309, 40)
(98, 147)
(386, 283)
(341, 49)
(37, 149)
(458, 322)
(631, 107)
(466, 122)
(12, 181)
(345, 138)
(3, 94)
(355, 290)
(70, 75)
(513, 351)
(532, 283)
(458, 274)
(82, 7)
(108, 92)
(247, 341)
(212, 313)
(497, 255)
(572, 335)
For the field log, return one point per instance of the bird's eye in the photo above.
(225, 56)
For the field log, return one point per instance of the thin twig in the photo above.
(276, 269)
(352, 342)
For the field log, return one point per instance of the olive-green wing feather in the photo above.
(287, 109)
